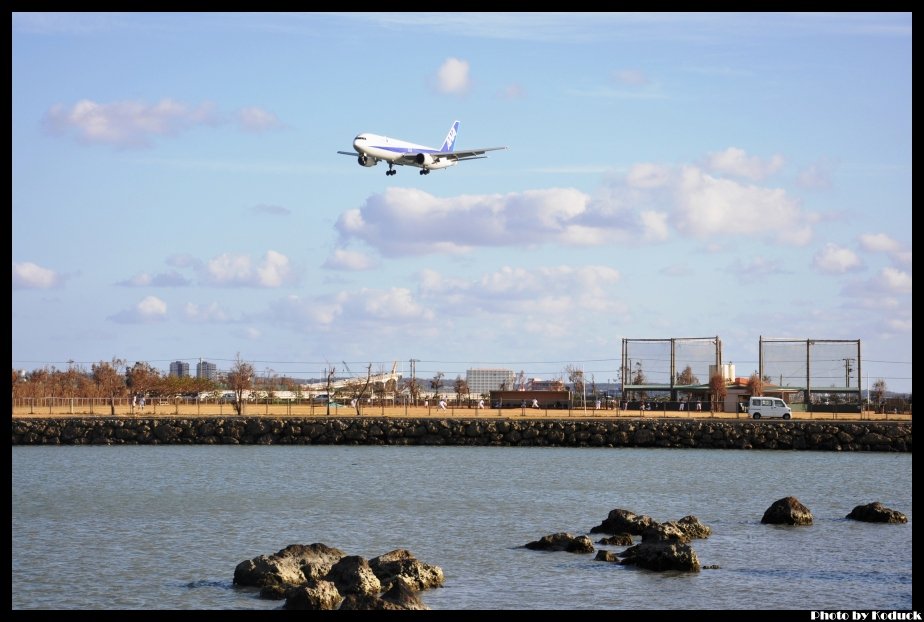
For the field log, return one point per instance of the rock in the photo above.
(353, 575)
(787, 511)
(691, 526)
(624, 521)
(620, 539)
(662, 555)
(289, 567)
(606, 556)
(315, 596)
(562, 541)
(402, 563)
(876, 513)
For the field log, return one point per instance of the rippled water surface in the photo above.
(163, 527)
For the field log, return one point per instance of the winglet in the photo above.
(450, 137)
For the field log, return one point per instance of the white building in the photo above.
(482, 381)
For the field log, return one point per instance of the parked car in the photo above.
(768, 407)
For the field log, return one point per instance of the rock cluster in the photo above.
(320, 577)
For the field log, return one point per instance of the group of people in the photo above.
(138, 402)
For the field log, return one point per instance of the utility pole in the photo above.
(847, 370)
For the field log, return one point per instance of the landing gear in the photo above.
(424, 171)
(391, 169)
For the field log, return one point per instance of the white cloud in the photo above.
(150, 309)
(406, 221)
(239, 271)
(254, 119)
(879, 243)
(207, 313)
(834, 259)
(27, 275)
(709, 206)
(816, 176)
(342, 259)
(896, 281)
(734, 161)
(164, 279)
(452, 77)
(647, 176)
(128, 123)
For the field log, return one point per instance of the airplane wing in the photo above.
(458, 155)
(350, 153)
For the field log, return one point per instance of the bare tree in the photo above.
(330, 380)
(879, 391)
(413, 389)
(719, 391)
(436, 383)
(357, 387)
(240, 379)
(576, 377)
(755, 384)
(461, 388)
(686, 377)
(109, 379)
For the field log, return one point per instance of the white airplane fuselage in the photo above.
(372, 148)
(375, 147)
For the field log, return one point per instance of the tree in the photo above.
(356, 388)
(719, 390)
(109, 379)
(686, 377)
(879, 391)
(413, 389)
(755, 384)
(436, 383)
(329, 380)
(142, 377)
(576, 378)
(461, 388)
(240, 379)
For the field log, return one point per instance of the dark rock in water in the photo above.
(665, 532)
(353, 575)
(692, 526)
(318, 577)
(787, 511)
(662, 555)
(620, 539)
(624, 521)
(402, 563)
(291, 566)
(314, 596)
(876, 513)
(562, 541)
(606, 556)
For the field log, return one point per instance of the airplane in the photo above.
(370, 148)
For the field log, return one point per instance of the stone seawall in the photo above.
(808, 435)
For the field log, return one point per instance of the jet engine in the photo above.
(424, 158)
(365, 160)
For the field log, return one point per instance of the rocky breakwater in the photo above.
(744, 434)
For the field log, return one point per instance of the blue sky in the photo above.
(177, 192)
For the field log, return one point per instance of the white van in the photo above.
(768, 407)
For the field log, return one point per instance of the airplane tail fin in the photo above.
(450, 137)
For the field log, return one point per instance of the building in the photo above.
(179, 369)
(207, 370)
(483, 381)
